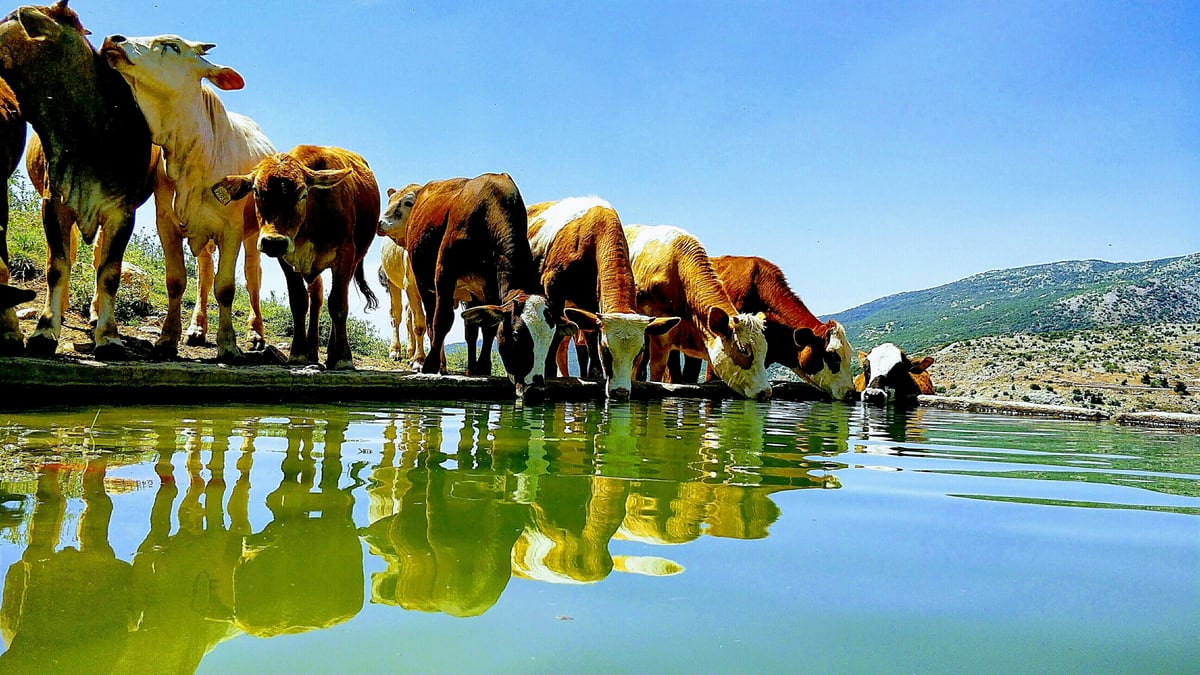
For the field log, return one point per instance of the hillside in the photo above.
(1129, 369)
(1058, 296)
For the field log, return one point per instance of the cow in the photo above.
(12, 142)
(202, 143)
(407, 314)
(674, 277)
(317, 208)
(98, 154)
(467, 239)
(579, 247)
(889, 376)
(818, 352)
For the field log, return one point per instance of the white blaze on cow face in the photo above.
(623, 335)
(882, 360)
(748, 341)
(393, 222)
(158, 67)
(536, 317)
(840, 385)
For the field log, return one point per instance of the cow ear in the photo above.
(805, 337)
(718, 321)
(582, 318)
(662, 325)
(918, 367)
(484, 314)
(391, 191)
(862, 359)
(567, 328)
(233, 188)
(323, 179)
(36, 25)
(224, 77)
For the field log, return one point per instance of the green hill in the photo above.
(1058, 296)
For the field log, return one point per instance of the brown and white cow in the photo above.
(674, 277)
(890, 376)
(202, 143)
(579, 246)
(407, 313)
(467, 239)
(817, 351)
(317, 210)
(97, 150)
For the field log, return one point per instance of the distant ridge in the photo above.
(1058, 296)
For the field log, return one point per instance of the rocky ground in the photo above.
(1132, 369)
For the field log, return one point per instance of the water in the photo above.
(676, 536)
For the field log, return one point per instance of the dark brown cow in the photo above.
(317, 210)
(817, 351)
(467, 239)
(12, 141)
(97, 148)
(579, 247)
(890, 376)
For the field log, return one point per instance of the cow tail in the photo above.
(360, 278)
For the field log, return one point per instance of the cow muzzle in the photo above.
(763, 395)
(877, 396)
(619, 393)
(275, 245)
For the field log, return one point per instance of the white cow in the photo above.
(202, 144)
(396, 275)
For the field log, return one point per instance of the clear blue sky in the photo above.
(867, 148)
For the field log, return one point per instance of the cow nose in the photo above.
(619, 393)
(116, 38)
(763, 395)
(539, 381)
(875, 396)
(273, 245)
(382, 228)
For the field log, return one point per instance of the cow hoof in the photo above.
(346, 364)
(111, 351)
(257, 343)
(165, 350)
(41, 346)
(12, 344)
(195, 339)
(231, 357)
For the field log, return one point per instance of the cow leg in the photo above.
(114, 237)
(398, 317)
(589, 357)
(691, 369)
(471, 334)
(57, 224)
(12, 340)
(298, 301)
(442, 304)
(483, 367)
(97, 260)
(198, 328)
(171, 239)
(227, 253)
(252, 268)
(559, 354)
(660, 352)
(337, 354)
(416, 320)
(316, 295)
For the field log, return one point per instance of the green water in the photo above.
(675, 536)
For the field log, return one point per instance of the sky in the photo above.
(867, 148)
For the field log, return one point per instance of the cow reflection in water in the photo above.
(85, 610)
(304, 570)
(70, 609)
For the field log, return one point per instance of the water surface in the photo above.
(674, 536)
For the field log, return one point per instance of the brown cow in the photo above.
(317, 210)
(817, 351)
(675, 278)
(12, 141)
(580, 248)
(889, 376)
(97, 148)
(467, 238)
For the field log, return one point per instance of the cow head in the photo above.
(161, 68)
(823, 358)
(393, 222)
(621, 339)
(281, 186)
(526, 329)
(737, 350)
(890, 376)
(39, 42)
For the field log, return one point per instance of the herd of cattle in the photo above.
(115, 125)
